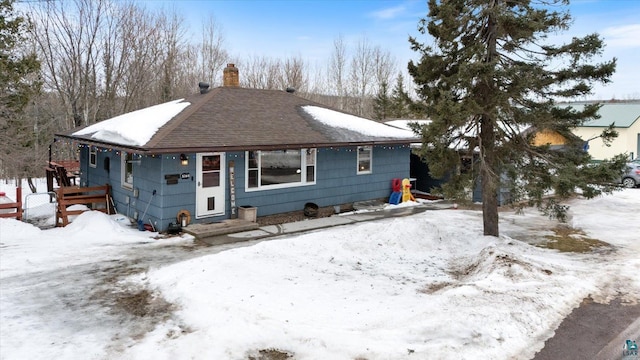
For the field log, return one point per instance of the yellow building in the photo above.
(549, 137)
(625, 116)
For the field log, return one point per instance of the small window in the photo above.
(364, 159)
(127, 170)
(93, 157)
(311, 165)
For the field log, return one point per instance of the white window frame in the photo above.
(362, 150)
(309, 160)
(308, 157)
(125, 160)
(93, 156)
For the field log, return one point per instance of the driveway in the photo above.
(594, 331)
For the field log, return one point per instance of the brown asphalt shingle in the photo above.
(234, 118)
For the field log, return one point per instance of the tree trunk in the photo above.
(32, 186)
(489, 205)
(489, 177)
(488, 171)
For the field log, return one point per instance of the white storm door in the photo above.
(210, 186)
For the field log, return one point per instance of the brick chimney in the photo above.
(230, 76)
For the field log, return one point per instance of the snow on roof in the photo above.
(137, 127)
(404, 123)
(354, 123)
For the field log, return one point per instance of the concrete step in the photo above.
(229, 226)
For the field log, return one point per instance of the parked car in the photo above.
(631, 177)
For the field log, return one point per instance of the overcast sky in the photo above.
(308, 29)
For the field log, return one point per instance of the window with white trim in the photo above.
(365, 155)
(93, 156)
(126, 173)
(280, 168)
(311, 165)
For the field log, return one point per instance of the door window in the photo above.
(210, 170)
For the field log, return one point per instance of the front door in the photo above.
(210, 186)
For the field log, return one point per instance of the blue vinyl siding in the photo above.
(337, 183)
(149, 174)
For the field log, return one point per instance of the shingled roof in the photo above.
(234, 118)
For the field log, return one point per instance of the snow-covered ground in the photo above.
(425, 286)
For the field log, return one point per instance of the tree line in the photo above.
(97, 59)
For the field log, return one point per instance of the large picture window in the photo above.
(365, 155)
(127, 170)
(280, 168)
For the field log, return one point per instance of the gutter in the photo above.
(229, 148)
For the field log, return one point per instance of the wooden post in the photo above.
(19, 202)
(49, 173)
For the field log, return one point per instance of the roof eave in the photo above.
(228, 148)
(102, 144)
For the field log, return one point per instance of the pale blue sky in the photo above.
(308, 28)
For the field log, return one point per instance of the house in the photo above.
(425, 183)
(625, 115)
(229, 147)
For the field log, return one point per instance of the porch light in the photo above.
(184, 160)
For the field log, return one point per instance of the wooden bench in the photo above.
(14, 209)
(95, 197)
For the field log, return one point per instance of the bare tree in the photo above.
(383, 66)
(213, 56)
(116, 41)
(294, 74)
(260, 72)
(102, 58)
(130, 47)
(67, 35)
(189, 72)
(361, 73)
(316, 83)
(172, 36)
(354, 82)
(141, 47)
(336, 71)
(377, 103)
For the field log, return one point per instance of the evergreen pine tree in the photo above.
(491, 74)
(381, 103)
(18, 83)
(15, 67)
(401, 103)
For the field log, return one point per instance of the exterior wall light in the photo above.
(184, 160)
